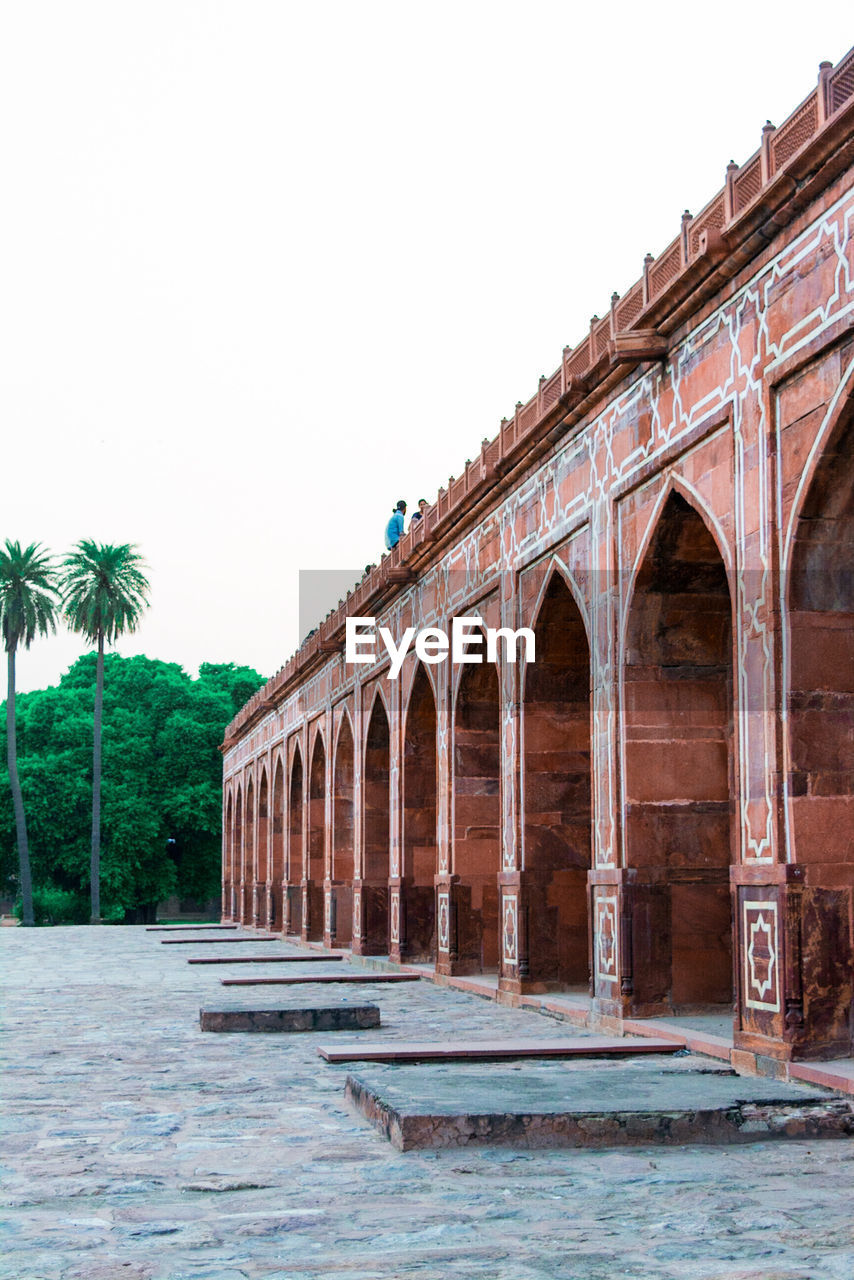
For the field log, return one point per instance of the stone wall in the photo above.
(660, 809)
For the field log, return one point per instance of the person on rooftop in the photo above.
(419, 514)
(394, 528)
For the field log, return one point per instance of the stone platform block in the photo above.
(307, 959)
(212, 942)
(186, 928)
(343, 1017)
(494, 1050)
(576, 1104)
(321, 977)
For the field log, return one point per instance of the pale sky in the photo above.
(269, 266)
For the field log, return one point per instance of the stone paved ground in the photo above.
(136, 1146)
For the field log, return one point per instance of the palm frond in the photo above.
(29, 594)
(104, 589)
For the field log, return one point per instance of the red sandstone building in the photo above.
(659, 811)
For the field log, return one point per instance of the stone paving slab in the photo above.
(186, 928)
(338, 1017)
(136, 1147)
(321, 978)
(633, 1102)
(212, 942)
(493, 1050)
(307, 958)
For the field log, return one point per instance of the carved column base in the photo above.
(794, 972)
(370, 918)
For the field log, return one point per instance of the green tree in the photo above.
(161, 826)
(104, 594)
(28, 605)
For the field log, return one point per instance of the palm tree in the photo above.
(104, 594)
(28, 604)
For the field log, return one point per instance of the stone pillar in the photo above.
(445, 906)
(513, 956)
(328, 793)
(609, 911)
(396, 889)
(766, 892)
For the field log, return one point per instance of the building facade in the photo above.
(659, 810)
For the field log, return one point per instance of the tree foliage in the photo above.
(104, 589)
(162, 782)
(28, 604)
(105, 593)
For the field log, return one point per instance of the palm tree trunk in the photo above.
(17, 798)
(96, 786)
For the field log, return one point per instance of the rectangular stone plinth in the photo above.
(186, 928)
(212, 942)
(305, 959)
(574, 1104)
(344, 1017)
(494, 1050)
(321, 977)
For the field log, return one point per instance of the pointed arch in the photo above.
(557, 788)
(316, 860)
(262, 869)
(378, 694)
(343, 829)
(376, 828)
(316, 730)
(420, 841)
(296, 869)
(228, 843)
(248, 875)
(237, 855)
(343, 724)
(676, 484)
(835, 424)
(818, 673)
(556, 566)
(343, 800)
(476, 827)
(678, 775)
(277, 846)
(419, 671)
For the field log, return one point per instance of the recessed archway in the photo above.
(678, 696)
(376, 832)
(557, 803)
(343, 810)
(295, 843)
(249, 856)
(237, 856)
(477, 819)
(821, 737)
(229, 855)
(262, 860)
(315, 868)
(418, 905)
(277, 870)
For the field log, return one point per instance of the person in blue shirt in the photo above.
(394, 528)
(419, 514)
